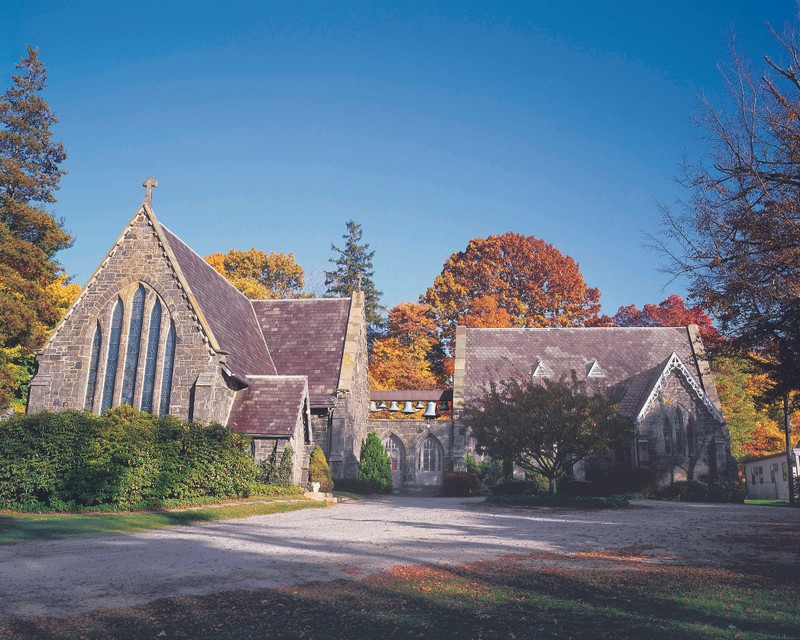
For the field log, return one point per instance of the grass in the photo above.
(767, 503)
(569, 502)
(347, 494)
(25, 528)
(591, 596)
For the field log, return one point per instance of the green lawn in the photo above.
(589, 596)
(767, 503)
(23, 527)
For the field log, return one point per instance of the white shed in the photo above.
(768, 477)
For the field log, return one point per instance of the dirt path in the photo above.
(68, 577)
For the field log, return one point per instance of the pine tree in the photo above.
(29, 234)
(285, 471)
(354, 272)
(319, 471)
(374, 465)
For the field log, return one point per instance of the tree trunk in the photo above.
(508, 469)
(552, 481)
(787, 426)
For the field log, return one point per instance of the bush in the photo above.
(375, 466)
(356, 486)
(696, 491)
(271, 471)
(318, 471)
(559, 501)
(490, 471)
(517, 488)
(641, 482)
(461, 483)
(124, 459)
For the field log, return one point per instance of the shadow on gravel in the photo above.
(515, 597)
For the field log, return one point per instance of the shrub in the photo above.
(274, 472)
(559, 501)
(618, 482)
(721, 490)
(318, 471)
(516, 488)
(375, 466)
(461, 483)
(356, 486)
(490, 471)
(124, 459)
(268, 467)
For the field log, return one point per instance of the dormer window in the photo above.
(540, 370)
(593, 370)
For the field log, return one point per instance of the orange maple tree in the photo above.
(671, 312)
(260, 275)
(401, 359)
(510, 280)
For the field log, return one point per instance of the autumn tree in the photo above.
(353, 271)
(545, 427)
(402, 358)
(737, 236)
(260, 275)
(671, 312)
(30, 236)
(513, 280)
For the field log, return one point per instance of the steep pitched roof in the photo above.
(270, 406)
(632, 359)
(307, 337)
(227, 312)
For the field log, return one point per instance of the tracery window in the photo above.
(679, 448)
(430, 456)
(667, 437)
(132, 351)
(390, 444)
(690, 436)
(151, 357)
(113, 356)
(94, 363)
(169, 361)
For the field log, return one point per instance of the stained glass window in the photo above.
(113, 356)
(94, 363)
(152, 355)
(169, 361)
(132, 352)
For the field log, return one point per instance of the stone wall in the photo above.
(137, 257)
(410, 436)
(698, 446)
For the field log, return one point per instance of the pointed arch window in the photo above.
(169, 361)
(94, 363)
(151, 357)
(690, 435)
(113, 355)
(430, 456)
(132, 351)
(679, 448)
(390, 445)
(667, 437)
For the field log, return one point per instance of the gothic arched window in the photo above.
(430, 456)
(393, 450)
(113, 356)
(667, 436)
(132, 352)
(690, 435)
(149, 382)
(679, 448)
(169, 361)
(94, 363)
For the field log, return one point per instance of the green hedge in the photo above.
(125, 459)
(559, 501)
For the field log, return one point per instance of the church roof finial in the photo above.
(148, 184)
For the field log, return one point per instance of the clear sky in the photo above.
(271, 124)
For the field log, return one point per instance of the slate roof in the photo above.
(630, 358)
(228, 312)
(270, 406)
(306, 337)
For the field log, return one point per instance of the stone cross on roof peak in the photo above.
(148, 184)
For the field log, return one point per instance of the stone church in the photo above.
(158, 328)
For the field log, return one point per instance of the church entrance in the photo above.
(396, 453)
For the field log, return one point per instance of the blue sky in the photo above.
(271, 124)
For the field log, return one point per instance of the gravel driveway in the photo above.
(68, 577)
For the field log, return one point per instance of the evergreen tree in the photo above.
(29, 234)
(375, 466)
(353, 271)
(285, 470)
(319, 471)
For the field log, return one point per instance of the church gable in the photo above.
(131, 336)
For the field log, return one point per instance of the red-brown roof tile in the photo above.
(270, 406)
(306, 337)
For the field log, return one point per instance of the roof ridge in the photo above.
(298, 299)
